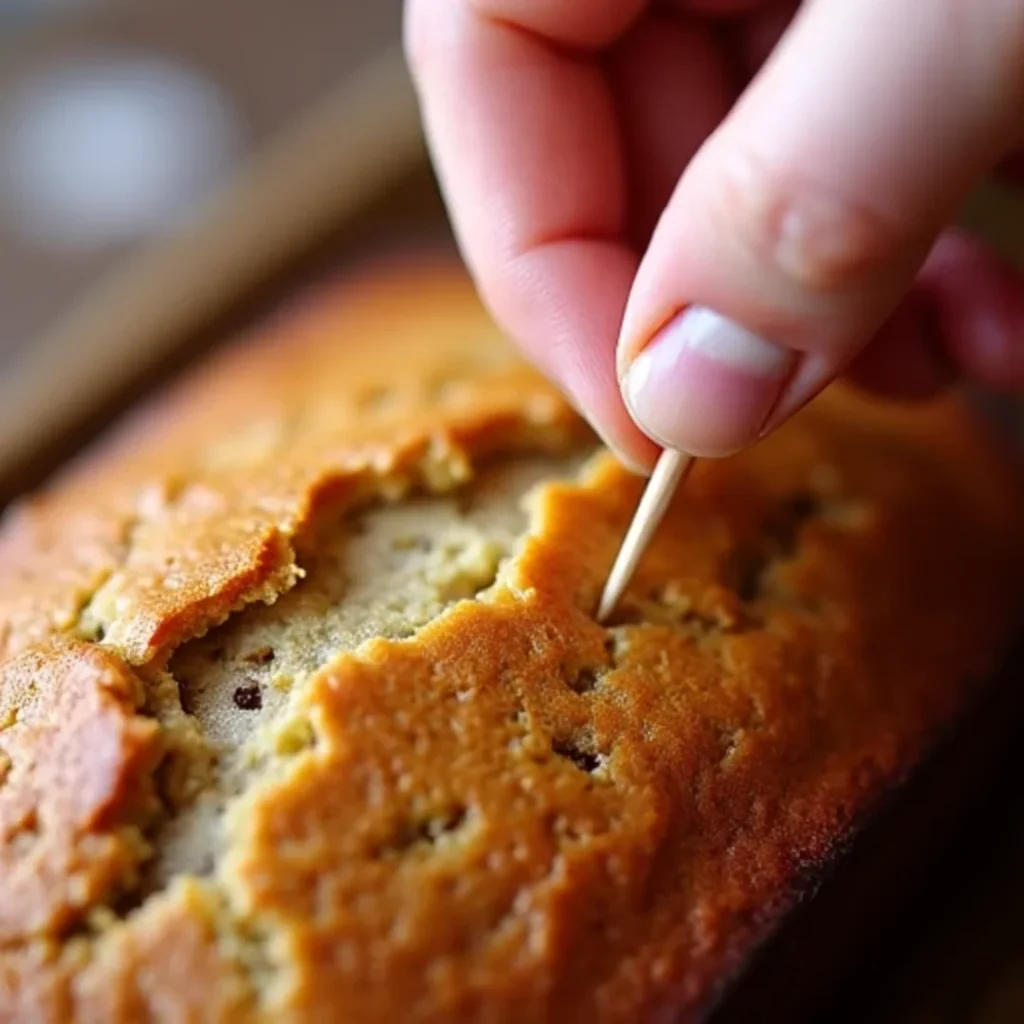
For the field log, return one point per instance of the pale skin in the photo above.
(694, 214)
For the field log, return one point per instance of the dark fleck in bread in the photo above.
(304, 714)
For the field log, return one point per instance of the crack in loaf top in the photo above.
(511, 813)
(190, 508)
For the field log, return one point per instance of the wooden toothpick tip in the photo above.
(669, 473)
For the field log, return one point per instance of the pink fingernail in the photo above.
(705, 385)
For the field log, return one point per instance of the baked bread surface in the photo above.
(305, 715)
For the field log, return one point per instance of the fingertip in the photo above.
(591, 389)
(562, 303)
(704, 385)
(614, 427)
(636, 452)
(807, 227)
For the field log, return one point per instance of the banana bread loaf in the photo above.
(305, 714)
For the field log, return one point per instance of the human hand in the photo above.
(616, 170)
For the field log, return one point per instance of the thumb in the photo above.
(798, 227)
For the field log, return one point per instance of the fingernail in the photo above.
(705, 385)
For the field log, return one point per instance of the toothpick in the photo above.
(669, 473)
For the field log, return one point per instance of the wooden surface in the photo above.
(407, 212)
(271, 59)
(344, 154)
(329, 135)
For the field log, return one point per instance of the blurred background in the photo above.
(160, 162)
(119, 118)
(172, 169)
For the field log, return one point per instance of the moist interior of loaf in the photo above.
(380, 572)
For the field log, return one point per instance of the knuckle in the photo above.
(800, 230)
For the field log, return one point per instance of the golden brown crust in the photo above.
(515, 814)
(169, 965)
(75, 788)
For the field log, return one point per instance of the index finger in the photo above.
(523, 131)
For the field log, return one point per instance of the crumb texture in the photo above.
(381, 572)
(304, 713)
